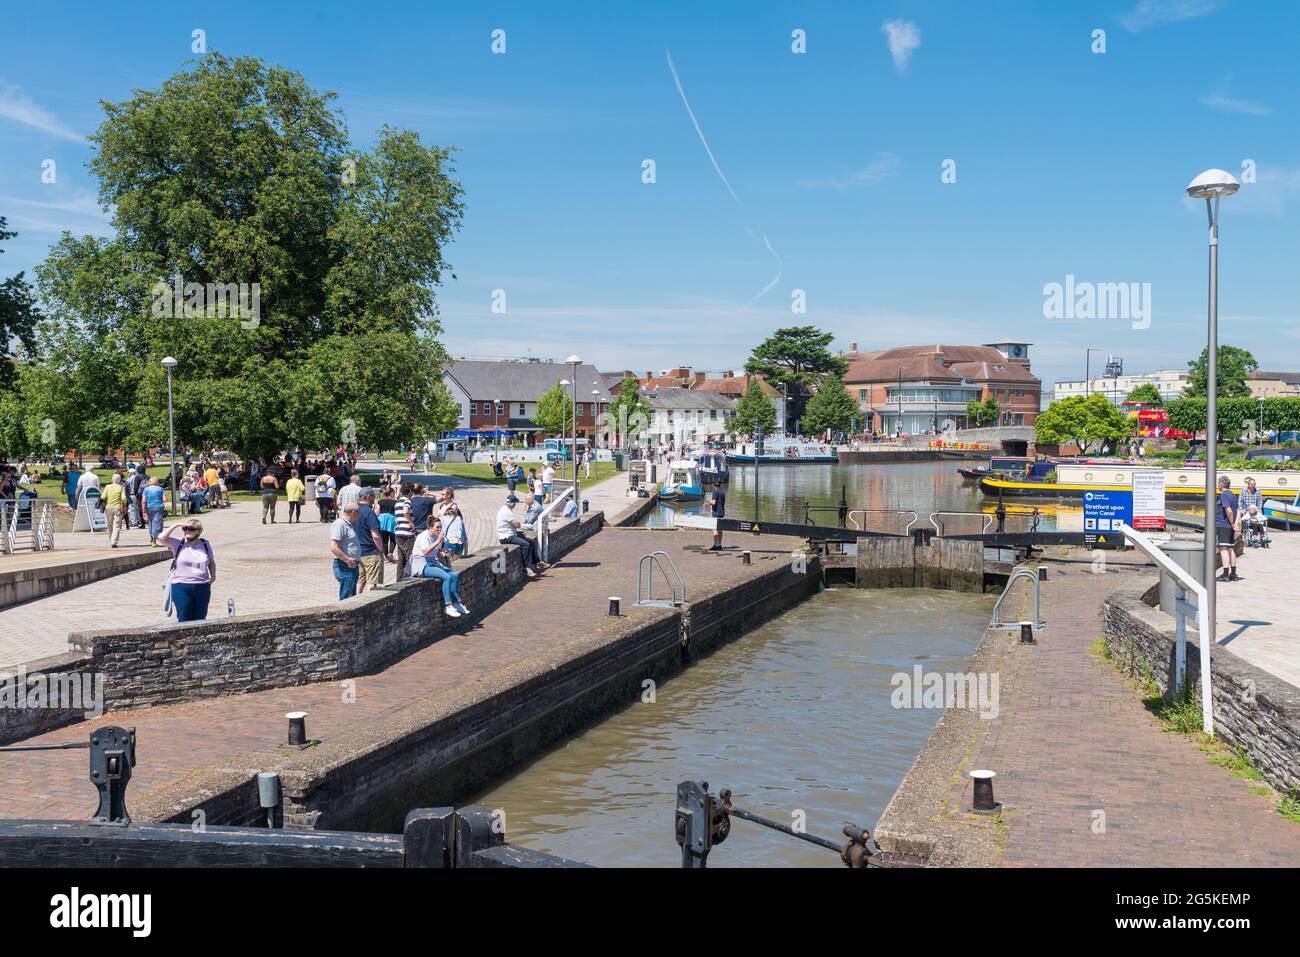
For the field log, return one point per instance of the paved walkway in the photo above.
(262, 568)
(1257, 616)
(1074, 739)
(547, 612)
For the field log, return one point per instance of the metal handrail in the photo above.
(1020, 571)
(33, 516)
(1184, 584)
(938, 526)
(543, 523)
(652, 560)
(890, 511)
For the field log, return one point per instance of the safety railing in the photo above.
(939, 524)
(645, 581)
(1019, 572)
(26, 523)
(856, 517)
(1184, 584)
(544, 523)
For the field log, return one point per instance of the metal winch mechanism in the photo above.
(112, 756)
(704, 820)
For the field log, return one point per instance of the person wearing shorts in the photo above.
(371, 544)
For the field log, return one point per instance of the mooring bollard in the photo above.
(268, 794)
(983, 802)
(297, 727)
(585, 505)
(745, 558)
(1027, 633)
(613, 605)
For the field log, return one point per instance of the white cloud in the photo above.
(904, 38)
(17, 107)
(1154, 13)
(883, 167)
(1231, 105)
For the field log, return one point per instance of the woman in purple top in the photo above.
(193, 570)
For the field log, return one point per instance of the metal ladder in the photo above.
(1020, 571)
(645, 596)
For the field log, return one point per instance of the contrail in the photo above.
(721, 175)
(699, 132)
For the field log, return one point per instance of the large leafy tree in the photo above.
(832, 408)
(1233, 370)
(18, 317)
(1087, 421)
(629, 412)
(554, 411)
(753, 409)
(238, 175)
(1146, 392)
(983, 413)
(797, 357)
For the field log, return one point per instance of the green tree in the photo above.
(629, 412)
(796, 357)
(1146, 392)
(1084, 420)
(234, 178)
(1233, 374)
(753, 409)
(18, 317)
(555, 411)
(983, 413)
(832, 408)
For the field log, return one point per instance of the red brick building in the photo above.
(916, 389)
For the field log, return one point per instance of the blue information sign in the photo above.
(1103, 510)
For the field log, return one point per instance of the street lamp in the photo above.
(574, 362)
(1211, 186)
(169, 364)
(1087, 371)
(496, 427)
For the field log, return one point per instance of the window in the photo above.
(500, 408)
(862, 395)
(522, 411)
(1020, 418)
(582, 407)
(713, 413)
(473, 408)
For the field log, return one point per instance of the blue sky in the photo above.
(1068, 162)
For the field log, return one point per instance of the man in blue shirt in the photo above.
(718, 502)
(1225, 522)
(370, 559)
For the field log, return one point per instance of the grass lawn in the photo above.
(49, 488)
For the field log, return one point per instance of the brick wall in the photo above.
(1253, 709)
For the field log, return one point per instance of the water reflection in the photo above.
(923, 487)
(795, 715)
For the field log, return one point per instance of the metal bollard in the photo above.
(613, 605)
(268, 794)
(585, 505)
(1027, 633)
(983, 801)
(297, 728)
(745, 558)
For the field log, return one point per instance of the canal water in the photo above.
(923, 487)
(795, 717)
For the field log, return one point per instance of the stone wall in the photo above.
(1253, 709)
(31, 716)
(165, 664)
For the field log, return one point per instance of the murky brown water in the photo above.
(794, 716)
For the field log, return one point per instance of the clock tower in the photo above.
(1017, 352)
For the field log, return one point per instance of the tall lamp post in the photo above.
(1211, 186)
(574, 362)
(1087, 371)
(169, 364)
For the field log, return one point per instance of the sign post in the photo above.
(1148, 500)
(1105, 511)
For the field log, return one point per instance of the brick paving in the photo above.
(177, 739)
(1073, 738)
(263, 568)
